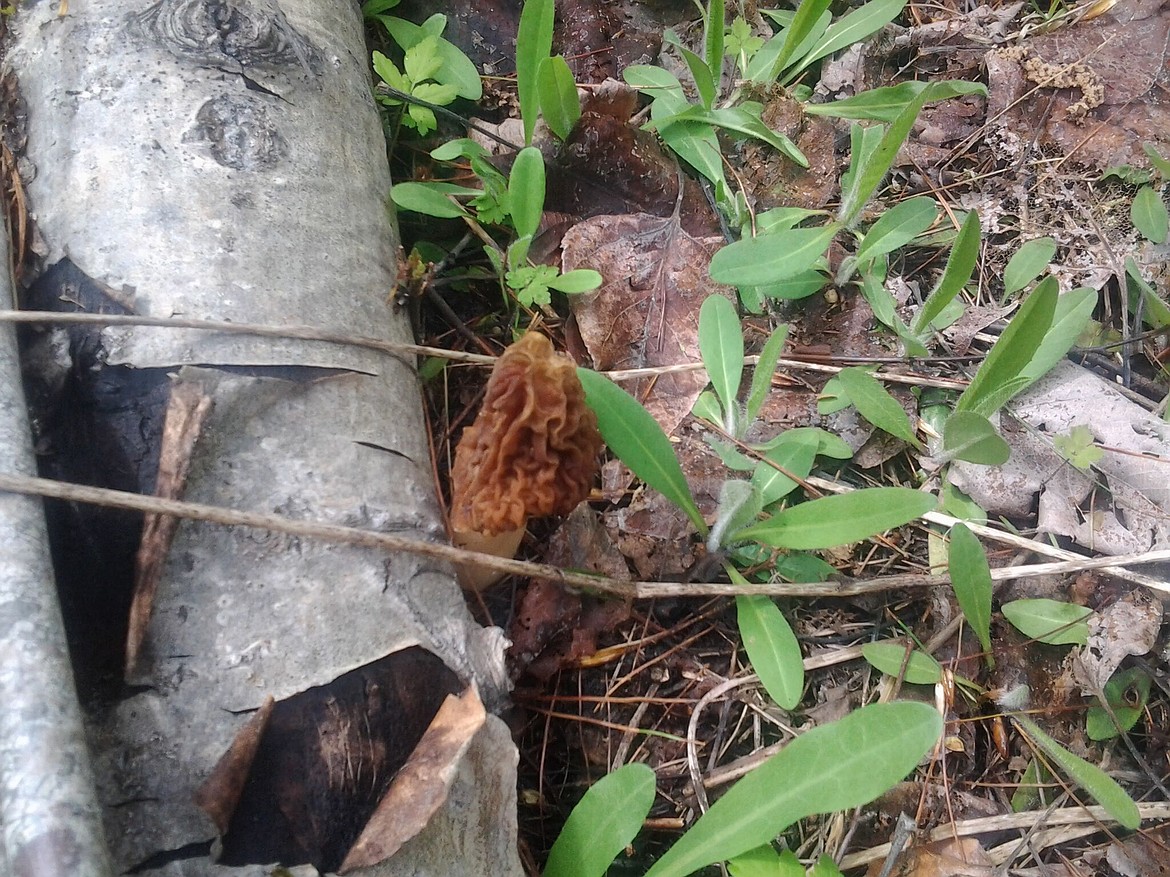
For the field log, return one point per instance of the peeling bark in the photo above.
(223, 159)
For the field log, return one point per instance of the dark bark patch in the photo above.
(240, 132)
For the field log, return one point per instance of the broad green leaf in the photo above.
(770, 258)
(421, 61)
(771, 647)
(960, 265)
(653, 81)
(1012, 352)
(721, 346)
(1073, 311)
(701, 74)
(1028, 263)
(884, 104)
(456, 69)
(795, 454)
(431, 198)
(840, 520)
(917, 668)
(799, 285)
(884, 308)
(739, 119)
(1088, 776)
(739, 506)
(897, 227)
(876, 405)
(639, 442)
(971, 437)
(1028, 794)
(1049, 621)
(763, 372)
(603, 823)
(533, 45)
(783, 218)
(576, 281)
(460, 147)
(971, 580)
(833, 397)
(764, 861)
(559, 103)
(1149, 215)
(1126, 693)
(845, 764)
(526, 191)
(862, 22)
(828, 445)
(693, 142)
(372, 8)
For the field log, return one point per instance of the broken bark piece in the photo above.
(187, 411)
(531, 452)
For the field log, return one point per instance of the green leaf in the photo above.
(533, 45)
(825, 867)
(693, 142)
(714, 29)
(1028, 263)
(876, 405)
(603, 823)
(1161, 165)
(764, 861)
(559, 103)
(1155, 312)
(421, 61)
(764, 370)
(707, 407)
(456, 69)
(1088, 776)
(897, 227)
(1126, 693)
(771, 647)
(870, 165)
(917, 668)
(840, 520)
(739, 506)
(1078, 447)
(1149, 214)
(431, 198)
(389, 73)
(1013, 352)
(721, 346)
(526, 191)
(960, 265)
(739, 119)
(862, 22)
(799, 285)
(783, 218)
(845, 764)
(971, 580)
(794, 454)
(653, 81)
(884, 104)
(1049, 621)
(770, 258)
(810, 21)
(828, 445)
(460, 147)
(639, 442)
(971, 437)
(372, 8)
(701, 73)
(576, 281)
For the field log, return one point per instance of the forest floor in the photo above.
(1054, 151)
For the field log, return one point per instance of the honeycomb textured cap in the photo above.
(532, 450)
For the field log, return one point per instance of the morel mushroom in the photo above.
(532, 451)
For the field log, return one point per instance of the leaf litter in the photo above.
(607, 685)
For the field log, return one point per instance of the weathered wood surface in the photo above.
(224, 160)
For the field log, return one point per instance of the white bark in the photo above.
(222, 159)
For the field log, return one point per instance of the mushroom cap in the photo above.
(532, 451)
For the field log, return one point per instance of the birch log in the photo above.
(223, 159)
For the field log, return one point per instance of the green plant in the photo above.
(434, 71)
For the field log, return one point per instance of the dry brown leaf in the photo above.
(646, 312)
